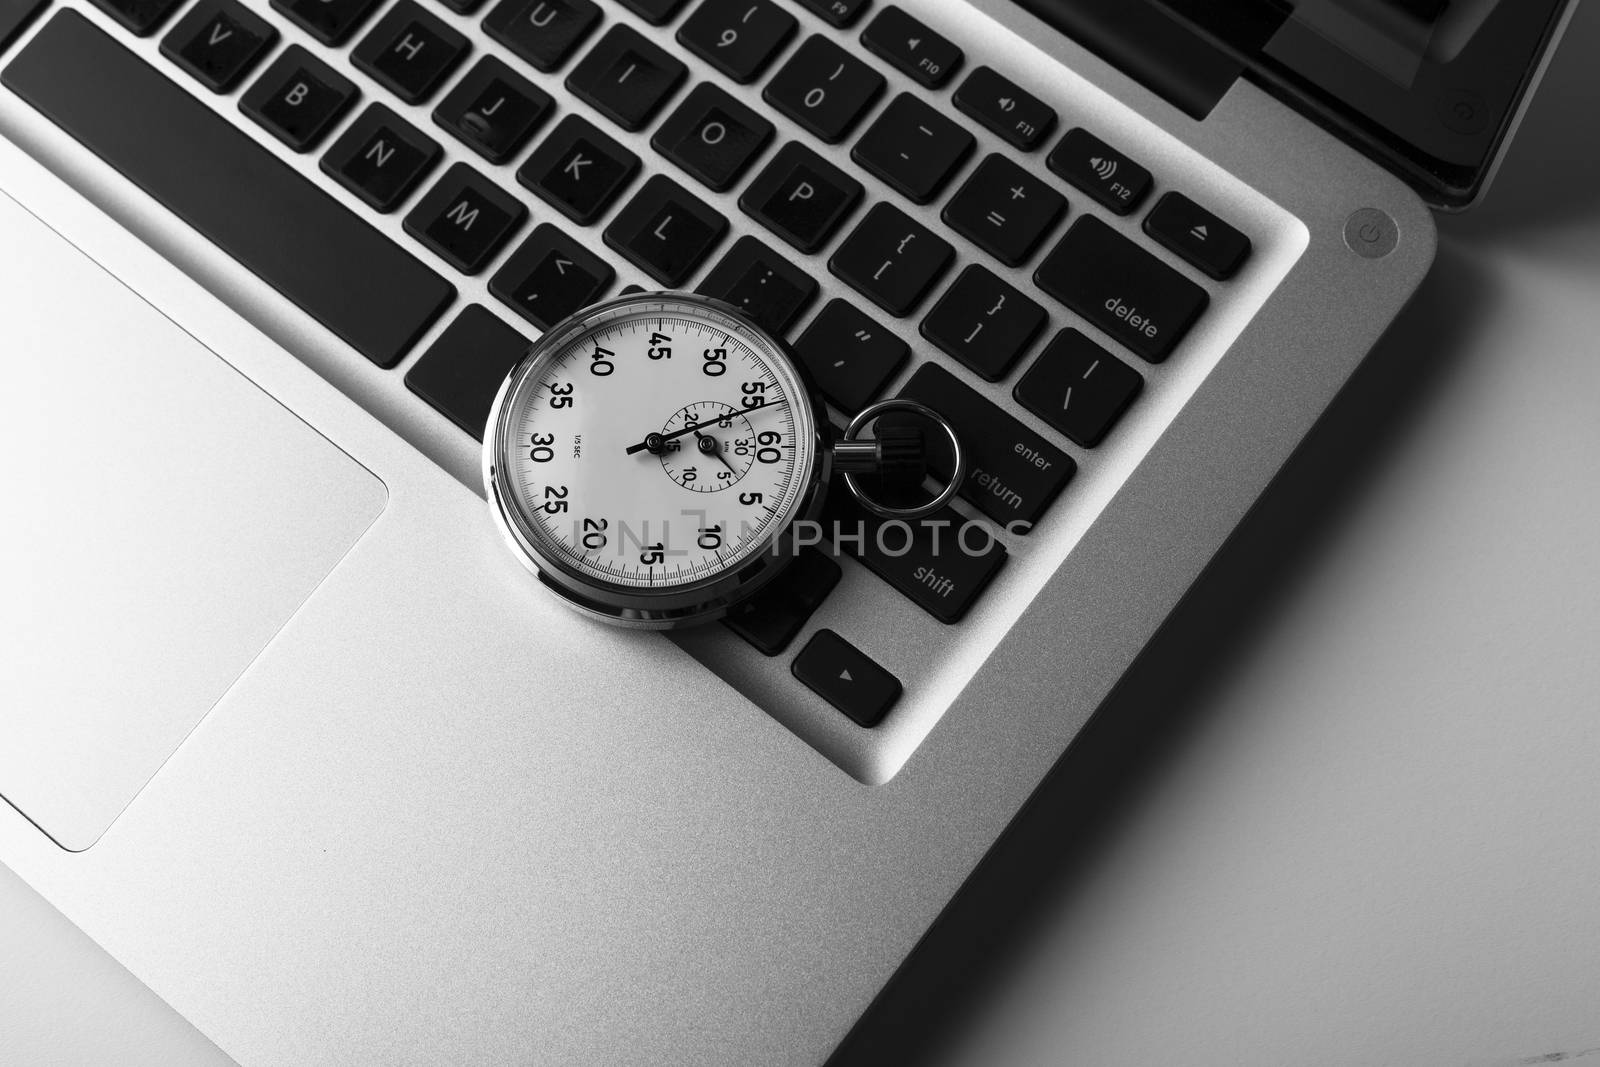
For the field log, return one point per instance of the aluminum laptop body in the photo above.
(290, 734)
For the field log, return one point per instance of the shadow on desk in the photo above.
(1032, 873)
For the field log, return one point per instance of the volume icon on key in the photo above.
(1106, 169)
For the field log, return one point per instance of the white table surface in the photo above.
(1353, 815)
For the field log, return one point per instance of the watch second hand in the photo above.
(662, 438)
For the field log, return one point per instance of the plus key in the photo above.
(1004, 210)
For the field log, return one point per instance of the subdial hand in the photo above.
(710, 446)
(655, 442)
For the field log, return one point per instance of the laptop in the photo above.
(287, 729)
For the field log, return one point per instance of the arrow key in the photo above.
(550, 277)
(842, 675)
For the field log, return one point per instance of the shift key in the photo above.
(1012, 473)
(1121, 288)
(941, 563)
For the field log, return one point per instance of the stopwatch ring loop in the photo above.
(958, 459)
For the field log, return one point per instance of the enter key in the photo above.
(1012, 473)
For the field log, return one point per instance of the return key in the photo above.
(1012, 473)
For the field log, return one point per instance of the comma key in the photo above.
(1121, 288)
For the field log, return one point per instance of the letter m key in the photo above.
(463, 214)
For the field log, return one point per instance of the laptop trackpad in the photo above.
(164, 518)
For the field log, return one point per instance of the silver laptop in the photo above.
(286, 728)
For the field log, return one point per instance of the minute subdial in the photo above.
(715, 454)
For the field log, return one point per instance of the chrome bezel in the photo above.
(705, 599)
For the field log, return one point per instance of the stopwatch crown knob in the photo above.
(897, 452)
(902, 453)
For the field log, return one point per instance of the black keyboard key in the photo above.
(839, 13)
(299, 98)
(984, 323)
(941, 563)
(549, 277)
(626, 77)
(850, 357)
(665, 231)
(1202, 239)
(294, 236)
(329, 21)
(801, 197)
(16, 16)
(219, 42)
(1078, 387)
(1004, 210)
(824, 89)
(771, 618)
(737, 37)
(928, 58)
(913, 148)
(465, 219)
(1111, 178)
(462, 7)
(461, 371)
(141, 17)
(578, 170)
(410, 52)
(655, 12)
(493, 110)
(1121, 288)
(1013, 474)
(543, 33)
(713, 137)
(1008, 111)
(842, 675)
(891, 259)
(766, 287)
(381, 157)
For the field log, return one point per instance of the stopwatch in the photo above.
(651, 458)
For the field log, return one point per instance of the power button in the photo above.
(1371, 233)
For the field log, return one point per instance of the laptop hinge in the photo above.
(1146, 43)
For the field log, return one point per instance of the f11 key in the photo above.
(1012, 113)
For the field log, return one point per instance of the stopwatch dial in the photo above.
(715, 454)
(660, 446)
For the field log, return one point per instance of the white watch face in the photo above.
(658, 447)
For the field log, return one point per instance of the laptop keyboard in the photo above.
(554, 210)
